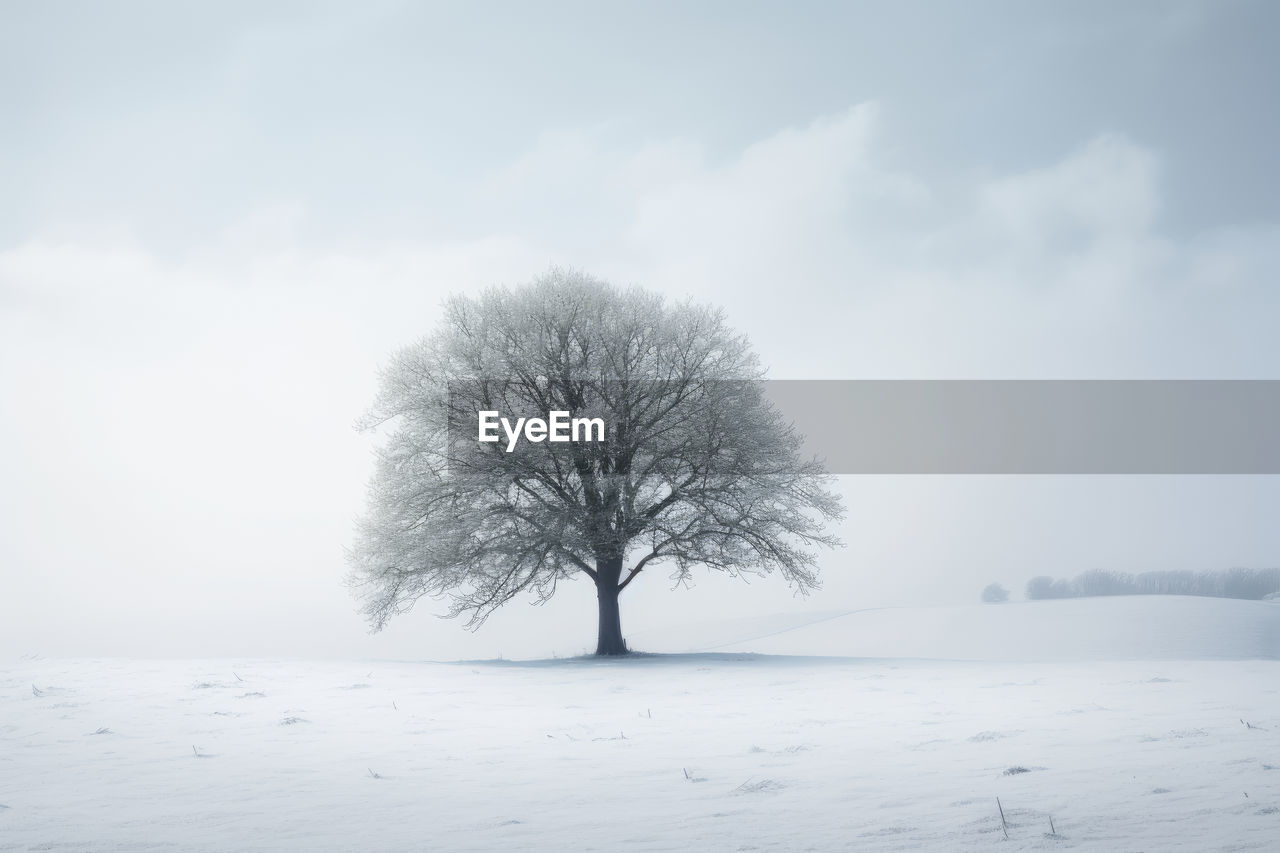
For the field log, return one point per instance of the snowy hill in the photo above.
(698, 752)
(1155, 627)
(1114, 738)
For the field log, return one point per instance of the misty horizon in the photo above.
(208, 254)
(562, 425)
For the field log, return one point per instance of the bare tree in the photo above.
(696, 466)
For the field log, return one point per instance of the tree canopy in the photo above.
(697, 467)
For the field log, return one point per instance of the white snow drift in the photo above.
(713, 751)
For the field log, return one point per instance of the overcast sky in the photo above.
(219, 220)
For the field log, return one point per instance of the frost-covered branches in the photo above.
(696, 466)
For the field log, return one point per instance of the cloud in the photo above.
(180, 429)
(180, 423)
(843, 262)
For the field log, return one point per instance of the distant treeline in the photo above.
(1233, 583)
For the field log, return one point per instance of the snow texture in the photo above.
(1141, 627)
(709, 751)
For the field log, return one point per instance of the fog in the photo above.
(219, 223)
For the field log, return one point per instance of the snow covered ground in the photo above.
(1147, 627)
(707, 751)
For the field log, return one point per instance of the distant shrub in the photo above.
(1099, 582)
(1040, 587)
(994, 593)
(1251, 584)
(1062, 588)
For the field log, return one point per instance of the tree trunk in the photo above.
(609, 640)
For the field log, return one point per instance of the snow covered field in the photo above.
(1148, 627)
(710, 751)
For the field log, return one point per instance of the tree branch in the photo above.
(629, 578)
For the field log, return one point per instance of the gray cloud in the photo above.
(221, 223)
